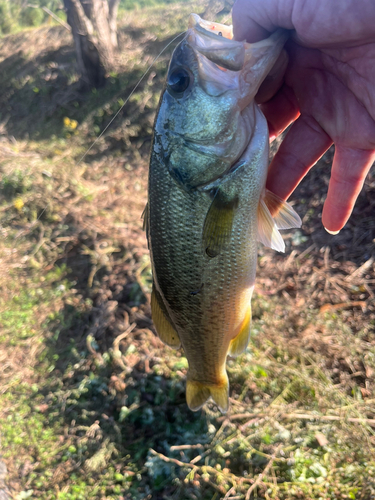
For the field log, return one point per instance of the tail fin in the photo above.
(197, 393)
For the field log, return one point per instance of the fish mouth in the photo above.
(250, 61)
(201, 147)
(215, 41)
(223, 30)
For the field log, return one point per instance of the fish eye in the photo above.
(178, 81)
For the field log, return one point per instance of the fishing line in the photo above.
(122, 107)
(129, 96)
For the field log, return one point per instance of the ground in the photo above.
(92, 403)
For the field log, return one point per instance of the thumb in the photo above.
(273, 80)
(254, 20)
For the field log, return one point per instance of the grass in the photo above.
(17, 16)
(92, 404)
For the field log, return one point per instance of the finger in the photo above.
(349, 170)
(244, 26)
(280, 111)
(304, 144)
(254, 20)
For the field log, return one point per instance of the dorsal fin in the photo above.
(144, 216)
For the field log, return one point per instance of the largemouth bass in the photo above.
(207, 203)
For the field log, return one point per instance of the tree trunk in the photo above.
(94, 29)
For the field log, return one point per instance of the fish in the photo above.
(207, 203)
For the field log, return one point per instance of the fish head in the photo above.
(200, 130)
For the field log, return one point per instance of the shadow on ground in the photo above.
(110, 390)
(37, 91)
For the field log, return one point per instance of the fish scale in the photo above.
(213, 309)
(206, 202)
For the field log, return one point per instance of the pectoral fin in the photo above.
(217, 229)
(274, 214)
(197, 393)
(165, 330)
(241, 341)
(282, 213)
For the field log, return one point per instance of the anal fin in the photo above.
(241, 341)
(165, 330)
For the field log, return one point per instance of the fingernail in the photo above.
(332, 232)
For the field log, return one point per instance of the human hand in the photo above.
(328, 90)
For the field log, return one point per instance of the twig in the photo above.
(203, 469)
(199, 457)
(173, 460)
(216, 487)
(228, 494)
(97, 355)
(302, 416)
(262, 474)
(361, 270)
(123, 335)
(40, 243)
(50, 13)
(186, 447)
(90, 279)
(305, 252)
(343, 305)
